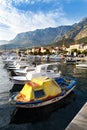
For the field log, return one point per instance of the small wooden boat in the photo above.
(42, 91)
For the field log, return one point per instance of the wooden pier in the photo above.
(80, 120)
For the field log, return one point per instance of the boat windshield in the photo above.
(53, 67)
(39, 93)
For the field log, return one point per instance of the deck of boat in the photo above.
(80, 120)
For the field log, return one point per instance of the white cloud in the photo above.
(33, 1)
(17, 21)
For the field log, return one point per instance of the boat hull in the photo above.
(21, 115)
(81, 65)
(42, 104)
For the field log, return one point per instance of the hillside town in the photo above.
(73, 49)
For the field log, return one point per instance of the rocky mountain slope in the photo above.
(78, 34)
(79, 30)
(50, 36)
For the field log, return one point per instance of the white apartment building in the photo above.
(80, 47)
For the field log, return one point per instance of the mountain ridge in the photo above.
(50, 36)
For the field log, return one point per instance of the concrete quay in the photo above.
(80, 120)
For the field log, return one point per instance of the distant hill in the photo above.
(51, 36)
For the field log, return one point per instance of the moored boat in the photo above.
(71, 60)
(40, 70)
(42, 91)
(81, 65)
(24, 71)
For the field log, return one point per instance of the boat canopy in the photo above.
(40, 88)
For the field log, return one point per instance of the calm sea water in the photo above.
(58, 119)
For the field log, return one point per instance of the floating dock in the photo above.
(80, 120)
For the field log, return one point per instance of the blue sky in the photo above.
(18, 16)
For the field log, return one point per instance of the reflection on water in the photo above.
(4, 96)
(78, 72)
(54, 117)
(5, 109)
(81, 74)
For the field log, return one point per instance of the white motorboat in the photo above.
(55, 57)
(81, 65)
(40, 70)
(24, 71)
(71, 60)
(16, 65)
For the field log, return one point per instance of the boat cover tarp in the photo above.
(48, 85)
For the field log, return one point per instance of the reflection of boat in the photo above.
(82, 65)
(43, 91)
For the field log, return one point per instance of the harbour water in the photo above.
(58, 119)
